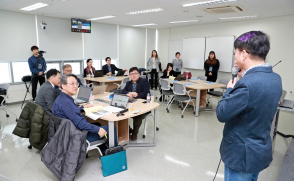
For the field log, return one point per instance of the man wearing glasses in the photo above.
(67, 69)
(64, 107)
(136, 88)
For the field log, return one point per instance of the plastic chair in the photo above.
(84, 82)
(219, 94)
(121, 86)
(180, 95)
(165, 87)
(94, 145)
(5, 97)
(202, 78)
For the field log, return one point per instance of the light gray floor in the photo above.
(187, 149)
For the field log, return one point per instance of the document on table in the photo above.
(112, 109)
(98, 114)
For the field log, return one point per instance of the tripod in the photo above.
(40, 57)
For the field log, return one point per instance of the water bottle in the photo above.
(148, 98)
(187, 78)
(91, 99)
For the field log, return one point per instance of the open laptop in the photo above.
(284, 102)
(118, 103)
(83, 95)
(99, 89)
(120, 73)
(99, 73)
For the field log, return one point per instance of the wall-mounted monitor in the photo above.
(80, 25)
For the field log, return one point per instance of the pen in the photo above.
(105, 136)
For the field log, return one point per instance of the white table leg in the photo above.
(197, 102)
(111, 133)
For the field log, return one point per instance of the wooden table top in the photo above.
(106, 79)
(138, 105)
(200, 84)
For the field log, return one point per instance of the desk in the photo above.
(109, 82)
(201, 91)
(122, 122)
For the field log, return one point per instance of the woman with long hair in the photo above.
(153, 67)
(89, 70)
(211, 66)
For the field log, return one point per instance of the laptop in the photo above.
(99, 73)
(99, 89)
(118, 103)
(284, 102)
(120, 73)
(83, 95)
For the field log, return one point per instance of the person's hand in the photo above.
(109, 73)
(89, 105)
(40, 73)
(210, 74)
(232, 85)
(130, 95)
(135, 94)
(126, 70)
(102, 132)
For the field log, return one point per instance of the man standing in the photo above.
(49, 91)
(37, 67)
(67, 69)
(136, 88)
(247, 109)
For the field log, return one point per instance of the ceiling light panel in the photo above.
(207, 3)
(145, 11)
(34, 7)
(150, 24)
(238, 17)
(187, 21)
(104, 17)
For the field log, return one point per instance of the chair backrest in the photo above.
(125, 80)
(143, 76)
(224, 81)
(165, 84)
(83, 81)
(4, 86)
(179, 89)
(202, 77)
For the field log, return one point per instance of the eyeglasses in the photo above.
(134, 74)
(74, 84)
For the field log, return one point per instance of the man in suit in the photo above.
(136, 88)
(109, 69)
(248, 108)
(49, 91)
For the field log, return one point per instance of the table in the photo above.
(105, 80)
(201, 91)
(122, 123)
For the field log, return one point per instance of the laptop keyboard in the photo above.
(102, 100)
(288, 104)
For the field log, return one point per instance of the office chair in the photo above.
(148, 115)
(180, 95)
(5, 97)
(165, 87)
(94, 145)
(219, 94)
(121, 86)
(202, 78)
(84, 82)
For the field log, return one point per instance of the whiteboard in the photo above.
(193, 53)
(223, 48)
(174, 47)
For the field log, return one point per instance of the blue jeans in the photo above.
(95, 136)
(234, 175)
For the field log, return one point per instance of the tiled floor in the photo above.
(187, 149)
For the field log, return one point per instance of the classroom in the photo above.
(161, 90)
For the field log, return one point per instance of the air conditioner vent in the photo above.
(224, 9)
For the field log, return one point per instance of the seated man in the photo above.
(49, 91)
(136, 88)
(64, 107)
(67, 69)
(109, 69)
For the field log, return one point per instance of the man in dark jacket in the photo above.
(247, 109)
(49, 91)
(109, 69)
(136, 88)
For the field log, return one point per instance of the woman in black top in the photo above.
(211, 66)
(168, 71)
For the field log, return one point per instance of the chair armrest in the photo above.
(118, 85)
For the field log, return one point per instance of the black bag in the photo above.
(26, 78)
(2, 92)
(114, 150)
(180, 77)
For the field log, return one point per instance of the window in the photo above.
(20, 69)
(76, 67)
(4, 73)
(53, 66)
(96, 64)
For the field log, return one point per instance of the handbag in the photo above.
(114, 161)
(180, 77)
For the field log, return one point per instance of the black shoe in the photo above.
(130, 130)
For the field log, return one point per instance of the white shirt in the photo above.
(91, 71)
(154, 63)
(51, 84)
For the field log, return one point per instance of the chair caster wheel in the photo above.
(7, 115)
(16, 120)
(167, 111)
(179, 106)
(182, 108)
(87, 156)
(30, 147)
(194, 112)
(157, 128)
(182, 116)
(143, 136)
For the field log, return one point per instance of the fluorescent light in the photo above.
(238, 17)
(104, 17)
(206, 3)
(150, 24)
(145, 11)
(34, 7)
(187, 21)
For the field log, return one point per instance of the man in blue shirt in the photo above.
(64, 107)
(37, 67)
(248, 108)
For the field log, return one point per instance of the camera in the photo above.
(43, 25)
(41, 53)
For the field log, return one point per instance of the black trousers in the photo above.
(211, 79)
(153, 73)
(35, 79)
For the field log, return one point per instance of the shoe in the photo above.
(134, 137)
(130, 130)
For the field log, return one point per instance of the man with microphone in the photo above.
(248, 108)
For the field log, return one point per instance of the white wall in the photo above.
(280, 30)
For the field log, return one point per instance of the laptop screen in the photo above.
(120, 101)
(84, 93)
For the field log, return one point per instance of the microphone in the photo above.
(235, 71)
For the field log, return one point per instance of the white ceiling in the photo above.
(173, 10)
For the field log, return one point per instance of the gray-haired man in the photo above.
(67, 69)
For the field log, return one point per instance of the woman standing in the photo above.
(89, 70)
(211, 66)
(178, 64)
(153, 66)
